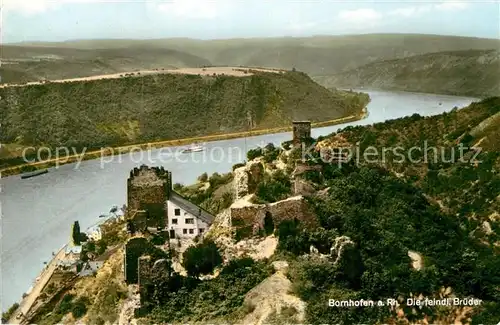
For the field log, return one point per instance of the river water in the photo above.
(37, 213)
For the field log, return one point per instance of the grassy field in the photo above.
(470, 73)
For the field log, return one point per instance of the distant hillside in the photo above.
(22, 64)
(317, 56)
(469, 73)
(111, 112)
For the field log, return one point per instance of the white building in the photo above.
(150, 189)
(71, 256)
(95, 233)
(90, 267)
(185, 219)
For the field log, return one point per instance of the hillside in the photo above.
(317, 55)
(374, 231)
(136, 109)
(467, 73)
(21, 64)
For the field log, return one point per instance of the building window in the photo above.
(201, 230)
(184, 231)
(174, 221)
(191, 231)
(177, 212)
(189, 221)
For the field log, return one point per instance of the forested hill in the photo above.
(468, 73)
(466, 185)
(128, 110)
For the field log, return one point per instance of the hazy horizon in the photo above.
(75, 20)
(241, 38)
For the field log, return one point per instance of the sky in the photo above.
(60, 20)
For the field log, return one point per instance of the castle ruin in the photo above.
(152, 203)
(301, 132)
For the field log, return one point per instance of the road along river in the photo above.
(37, 213)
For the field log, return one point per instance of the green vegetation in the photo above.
(183, 299)
(385, 218)
(217, 197)
(77, 237)
(460, 185)
(201, 259)
(6, 315)
(273, 188)
(465, 73)
(116, 112)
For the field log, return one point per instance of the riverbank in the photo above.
(42, 280)
(19, 169)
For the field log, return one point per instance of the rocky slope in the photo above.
(467, 73)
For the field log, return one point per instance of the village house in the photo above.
(152, 202)
(92, 266)
(95, 233)
(71, 256)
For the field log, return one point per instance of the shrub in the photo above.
(201, 259)
(254, 153)
(275, 188)
(79, 308)
(271, 153)
(203, 178)
(159, 239)
(65, 304)
(216, 180)
(178, 186)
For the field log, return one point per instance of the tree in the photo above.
(201, 259)
(75, 234)
(203, 178)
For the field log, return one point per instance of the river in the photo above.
(37, 213)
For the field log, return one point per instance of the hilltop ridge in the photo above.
(316, 55)
(467, 73)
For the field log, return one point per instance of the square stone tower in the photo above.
(147, 190)
(301, 132)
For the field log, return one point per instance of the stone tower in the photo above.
(301, 131)
(147, 190)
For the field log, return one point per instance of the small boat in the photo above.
(103, 216)
(193, 148)
(34, 173)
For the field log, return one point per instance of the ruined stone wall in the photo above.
(146, 188)
(144, 267)
(247, 178)
(301, 131)
(252, 216)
